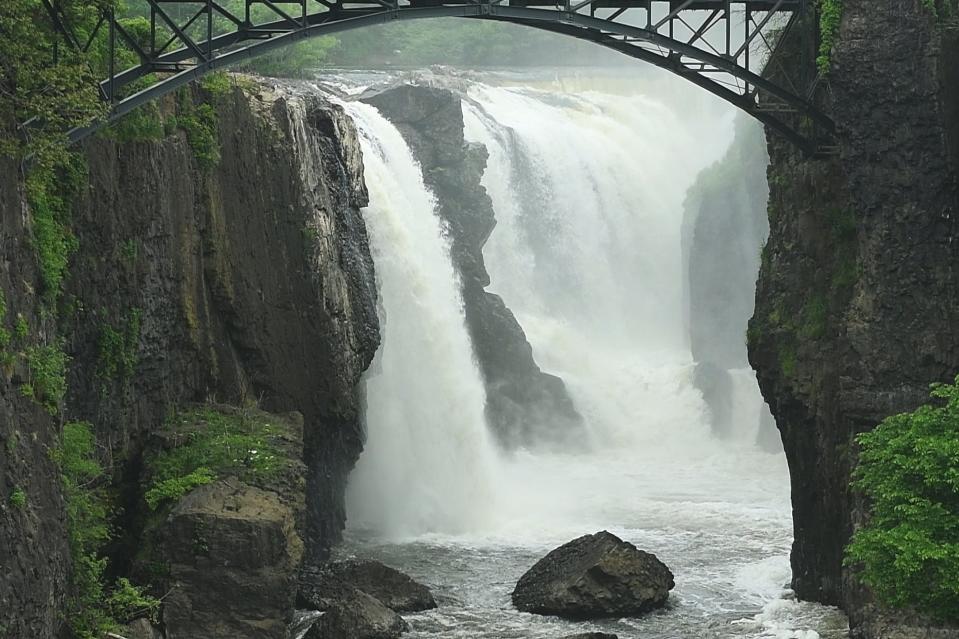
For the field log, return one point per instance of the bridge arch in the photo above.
(707, 42)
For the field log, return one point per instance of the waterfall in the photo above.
(588, 191)
(429, 461)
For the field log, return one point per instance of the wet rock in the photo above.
(594, 576)
(391, 587)
(591, 635)
(525, 406)
(232, 549)
(348, 613)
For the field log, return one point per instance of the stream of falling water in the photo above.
(588, 191)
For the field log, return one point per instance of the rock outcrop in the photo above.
(857, 303)
(594, 576)
(724, 228)
(524, 405)
(247, 280)
(391, 587)
(347, 610)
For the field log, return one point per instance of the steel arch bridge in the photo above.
(720, 45)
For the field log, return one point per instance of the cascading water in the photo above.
(429, 461)
(588, 191)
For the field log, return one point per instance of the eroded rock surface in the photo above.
(395, 590)
(348, 612)
(594, 576)
(525, 406)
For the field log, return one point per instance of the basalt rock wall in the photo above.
(857, 306)
(248, 281)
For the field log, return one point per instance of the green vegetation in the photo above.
(208, 444)
(4, 333)
(93, 608)
(48, 193)
(200, 124)
(18, 498)
(909, 469)
(117, 357)
(21, 328)
(51, 93)
(830, 17)
(47, 384)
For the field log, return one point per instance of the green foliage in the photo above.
(47, 383)
(118, 347)
(210, 444)
(200, 124)
(814, 318)
(128, 602)
(909, 469)
(787, 360)
(47, 191)
(21, 328)
(142, 124)
(296, 61)
(830, 17)
(93, 608)
(18, 498)
(217, 84)
(4, 333)
(175, 487)
(51, 93)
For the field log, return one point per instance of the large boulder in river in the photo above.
(394, 589)
(348, 612)
(594, 576)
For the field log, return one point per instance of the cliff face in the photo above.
(248, 282)
(857, 302)
(522, 402)
(724, 227)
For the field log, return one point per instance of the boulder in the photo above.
(348, 613)
(594, 576)
(394, 589)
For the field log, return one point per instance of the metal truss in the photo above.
(722, 46)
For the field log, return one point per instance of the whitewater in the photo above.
(588, 189)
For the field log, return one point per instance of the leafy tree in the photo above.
(909, 469)
(46, 87)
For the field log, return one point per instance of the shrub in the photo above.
(830, 16)
(18, 498)
(48, 375)
(92, 609)
(909, 469)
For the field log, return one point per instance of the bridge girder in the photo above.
(718, 45)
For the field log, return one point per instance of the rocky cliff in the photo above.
(857, 302)
(523, 402)
(246, 280)
(724, 228)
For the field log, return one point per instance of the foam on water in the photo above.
(588, 191)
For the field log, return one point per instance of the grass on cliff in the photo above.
(94, 607)
(206, 444)
(909, 469)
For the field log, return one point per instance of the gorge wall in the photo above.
(857, 302)
(247, 282)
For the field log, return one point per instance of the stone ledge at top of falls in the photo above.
(525, 406)
(594, 576)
